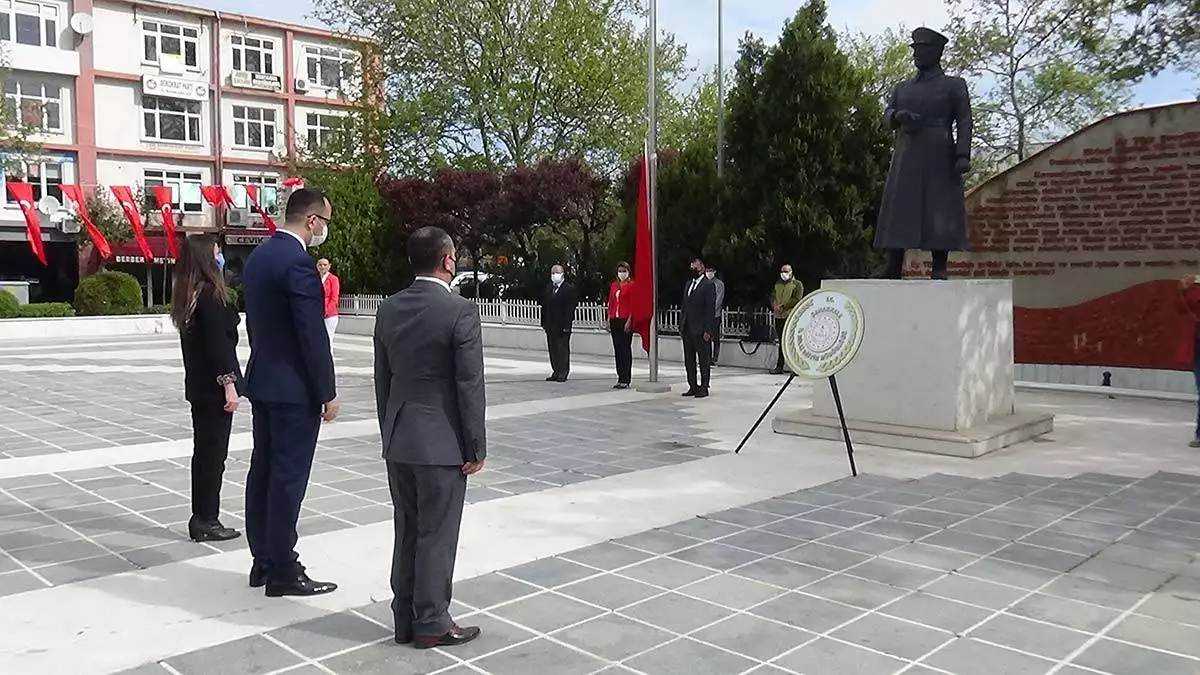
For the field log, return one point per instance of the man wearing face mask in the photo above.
(710, 273)
(558, 314)
(787, 294)
(697, 326)
(290, 384)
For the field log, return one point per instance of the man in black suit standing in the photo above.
(697, 326)
(429, 394)
(558, 314)
(290, 384)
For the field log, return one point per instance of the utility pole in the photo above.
(652, 173)
(720, 90)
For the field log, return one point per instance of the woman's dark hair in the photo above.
(195, 271)
(623, 266)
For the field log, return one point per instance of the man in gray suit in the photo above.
(429, 394)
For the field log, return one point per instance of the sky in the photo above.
(694, 22)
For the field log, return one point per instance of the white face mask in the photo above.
(319, 238)
(556, 278)
(710, 275)
(785, 275)
(622, 275)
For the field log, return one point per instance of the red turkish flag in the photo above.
(73, 194)
(23, 193)
(252, 193)
(641, 311)
(216, 195)
(129, 205)
(162, 194)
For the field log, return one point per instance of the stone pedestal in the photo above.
(934, 373)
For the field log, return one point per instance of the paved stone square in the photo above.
(871, 576)
(582, 551)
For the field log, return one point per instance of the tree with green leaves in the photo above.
(1039, 70)
(1158, 35)
(496, 83)
(884, 58)
(367, 255)
(18, 127)
(807, 155)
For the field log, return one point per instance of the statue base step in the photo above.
(988, 437)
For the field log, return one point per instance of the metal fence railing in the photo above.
(734, 322)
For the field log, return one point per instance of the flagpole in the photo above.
(652, 173)
(720, 89)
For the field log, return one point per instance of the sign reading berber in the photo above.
(822, 335)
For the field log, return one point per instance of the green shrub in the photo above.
(45, 310)
(235, 298)
(157, 309)
(107, 293)
(8, 305)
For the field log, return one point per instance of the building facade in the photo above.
(142, 93)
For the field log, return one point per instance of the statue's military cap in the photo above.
(928, 36)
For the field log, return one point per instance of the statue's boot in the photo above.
(941, 263)
(893, 268)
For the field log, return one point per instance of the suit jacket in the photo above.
(429, 389)
(558, 308)
(290, 361)
(699, 315)
(209, 342)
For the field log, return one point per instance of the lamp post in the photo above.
(720, 90)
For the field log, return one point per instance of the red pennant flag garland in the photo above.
(23, 193)
(74, 195)
(216, 195)
(129, 205)
(162, 194)
(252, 193)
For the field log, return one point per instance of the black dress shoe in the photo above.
(457, 635)
(690, 392)
(621, 385)
(702, 393)
(552, 378)
(403, 638)
(297, 583)
(258, 575)
(210, 530)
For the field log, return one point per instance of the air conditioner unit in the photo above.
(238, 217)
(302, 85)
(70, 226)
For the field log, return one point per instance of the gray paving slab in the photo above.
(723, 594)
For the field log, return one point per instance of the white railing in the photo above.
(734, 322)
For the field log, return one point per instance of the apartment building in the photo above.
(144, 93)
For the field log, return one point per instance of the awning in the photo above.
(129, 252)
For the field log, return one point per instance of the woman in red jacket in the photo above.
(333, 293)
(1188, 351)
(620, 301)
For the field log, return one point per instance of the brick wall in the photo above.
(1094, 231)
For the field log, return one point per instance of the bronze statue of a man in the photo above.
(923, 202)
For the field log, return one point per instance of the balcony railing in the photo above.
(734, 322)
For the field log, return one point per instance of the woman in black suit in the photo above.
(208, 333)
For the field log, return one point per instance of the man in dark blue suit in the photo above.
(290, 384)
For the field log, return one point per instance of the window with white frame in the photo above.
(33, 103)
(186, 196)
(170, 119)
(45, 175)
(29, 23)
(253, 127)
(330, 67)
(268, 191)
(322, 128)
(165, 39)
(253, 55)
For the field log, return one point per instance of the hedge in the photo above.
(108, 293)
(8, 304)
(45, 310)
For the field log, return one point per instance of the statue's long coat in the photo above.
(923, 202)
